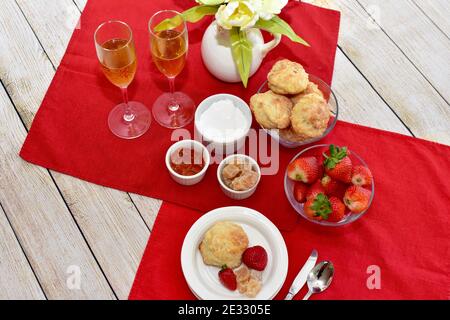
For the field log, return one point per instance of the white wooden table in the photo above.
(392, 72)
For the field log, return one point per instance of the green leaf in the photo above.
(242, 53)
(278, 25)
(322, 206)
(336, 155)
(192, 15)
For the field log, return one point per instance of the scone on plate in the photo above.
(288, 77)
(310, 116)
(271, 110)
(312, 88)
(223, 244)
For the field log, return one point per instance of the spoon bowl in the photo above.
(319, 279)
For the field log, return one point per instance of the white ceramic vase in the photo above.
(218, 57)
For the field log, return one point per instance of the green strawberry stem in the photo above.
(336, 155)
(322, 206)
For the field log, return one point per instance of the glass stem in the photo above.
(173, 106)
(128, 115)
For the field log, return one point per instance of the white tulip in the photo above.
(237, 13)
(267, 9)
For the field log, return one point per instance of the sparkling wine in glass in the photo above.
(117, 55)
(169, 48)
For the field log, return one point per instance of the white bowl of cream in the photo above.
(223, 120)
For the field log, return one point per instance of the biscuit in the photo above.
(223, 244)
(312, 88)
(290, 135)
(272, 111)
(288, 77)
(310, 116)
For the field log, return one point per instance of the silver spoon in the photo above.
(319, 279)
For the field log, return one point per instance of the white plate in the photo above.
(204, 281)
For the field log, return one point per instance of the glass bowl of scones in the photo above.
(294, 107)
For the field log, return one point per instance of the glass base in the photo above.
(131, 128)
(174, 117)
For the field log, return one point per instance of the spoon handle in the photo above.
(309, 294)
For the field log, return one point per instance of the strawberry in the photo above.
(255, 258)
(315, 189)
(306, 170)
(228, 278)
(333, 188)
(337, 164)
(300, 190)
(357, 199)
(317, 207)
(337, 210)
(361, 176)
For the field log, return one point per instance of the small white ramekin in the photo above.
(238, 195)
(198, 147)
(223, 148)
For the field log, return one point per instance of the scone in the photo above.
(223, 244)
(312, 88)
(272, 111)
(290, 135)
(310, 116)
(288, 77)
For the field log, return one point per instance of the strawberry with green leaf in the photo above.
(321, 207)
(318, 207)
(338, 164)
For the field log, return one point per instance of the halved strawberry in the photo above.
(255, 258)
(315, 189)
(337, 164)
(305, 169)
(337, 210)
(300, 190)
(357, 199)
(333, 188)
(361, 176)
(228, 278)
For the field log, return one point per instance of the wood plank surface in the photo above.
(418, 38)
(437, 12)
(17, 280)
(43, 225)
(392, 75)
(80, 4)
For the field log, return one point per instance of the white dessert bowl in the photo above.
(198, 147)
(223, 147)
(233, 194)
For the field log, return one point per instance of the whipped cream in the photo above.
(223, 122)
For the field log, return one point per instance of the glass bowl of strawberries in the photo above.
(329, 185)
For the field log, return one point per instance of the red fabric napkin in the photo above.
(405, 233)
(70, 132)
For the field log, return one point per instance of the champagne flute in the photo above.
(117, 55)
(169, 50)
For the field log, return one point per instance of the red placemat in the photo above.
(70, 132)
(405, 233)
